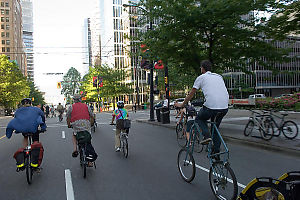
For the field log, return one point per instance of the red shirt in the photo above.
(79, 111)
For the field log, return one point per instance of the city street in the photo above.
(149, 172)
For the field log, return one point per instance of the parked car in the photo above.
(9, 112)
(179, 100)
(197, 102)
(257, 96)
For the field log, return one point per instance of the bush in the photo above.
(284, 103)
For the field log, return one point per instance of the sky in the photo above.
(58, 26)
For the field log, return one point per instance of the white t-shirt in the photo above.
(214, 90)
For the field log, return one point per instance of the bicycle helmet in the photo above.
(26, 101)
(120, 104)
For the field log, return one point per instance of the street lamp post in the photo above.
(151, 68)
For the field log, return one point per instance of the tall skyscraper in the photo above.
(87, 45)
(11, 32)
(27, 17)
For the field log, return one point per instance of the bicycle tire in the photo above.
(249, 128)
(290, 129)
(83, 161)
(125, 147)
(268, 131)
(180, 134)
(198, 147)
(184, 164)
(28, 170)
(219, 180)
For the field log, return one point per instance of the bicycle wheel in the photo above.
(28, 170)
(290, 129)
(186, 165)
(125, 146)
(180, 133)
(223, 181)
(268, 131)
(198, 147)
(83, 161)
(249, 128)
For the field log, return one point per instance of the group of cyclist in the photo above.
(80, 116)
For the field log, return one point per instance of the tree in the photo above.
(13, 84)
(71, 83)
(231, 34)
(35, 94)
(113, 83)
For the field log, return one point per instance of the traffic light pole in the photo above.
(151, 86)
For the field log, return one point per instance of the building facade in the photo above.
(27, 18)
(110, 25)
(87, 44)
(11, 33)
(264, 81)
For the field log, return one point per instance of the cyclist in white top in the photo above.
(216, 101)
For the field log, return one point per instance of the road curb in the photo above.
(247, 142)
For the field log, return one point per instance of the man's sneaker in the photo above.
(205, 141)
(118, 149)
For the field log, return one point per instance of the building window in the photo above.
(3, 41)
(2, 19)
(8, 49)
(7, 19)
(2, 34)
(2, 11)
(2, 26)
(2, 4)
(7, 26)
(3, 49)
(7, 12)
(7, 34)
(8, 42)
(6, 4)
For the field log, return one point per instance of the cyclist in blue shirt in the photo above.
(27, 119)
(120, 113)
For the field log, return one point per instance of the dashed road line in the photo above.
(63, 135)
(69, 185)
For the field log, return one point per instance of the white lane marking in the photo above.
(114, 129)
(63, 135)
(69, 186)
(207, 170)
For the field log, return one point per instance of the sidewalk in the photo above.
(232, 128)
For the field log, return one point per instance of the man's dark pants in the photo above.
(203, 115)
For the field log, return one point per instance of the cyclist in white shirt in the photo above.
(216, 101)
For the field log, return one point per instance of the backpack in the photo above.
(19, 156)
(83, 137)
(37, 153)
(91, 154)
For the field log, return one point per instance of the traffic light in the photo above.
(58, 85)
(95, 80)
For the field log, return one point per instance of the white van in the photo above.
(257, 96)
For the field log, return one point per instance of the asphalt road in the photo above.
(149, 172)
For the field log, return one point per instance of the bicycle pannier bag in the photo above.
(37, 152)
(91, 154)
(123, 124)
(19, 156)
(83, 137)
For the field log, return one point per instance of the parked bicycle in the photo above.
(221, 177)
(182, 137)
(288, 127)
(260, 121)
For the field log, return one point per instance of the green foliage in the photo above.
(13, 84)
(71, 83)
(228, 33)
(113, 83)
(283, 103)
